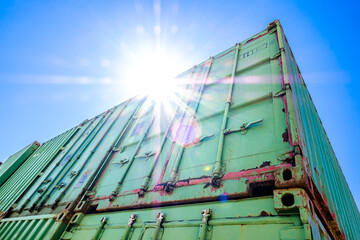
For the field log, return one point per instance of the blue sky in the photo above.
(62, 61)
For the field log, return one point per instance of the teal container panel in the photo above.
(34, 227)
(24, 176)
(75, 167)
(189, 149)
(320, 157)
(255, 218)
(15, 161)
(51, 174)
(87, 168)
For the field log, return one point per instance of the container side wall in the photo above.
(33, 227)
(15, 161)
(323, 165)
(15, 186)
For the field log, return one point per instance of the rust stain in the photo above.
(265, 164)
(236, 175)
(264, 214)
(285, 135)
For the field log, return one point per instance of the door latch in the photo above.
(243, 128)
(197, 141)
(122, 162)
(147, 155)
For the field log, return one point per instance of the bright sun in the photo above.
(153, 72)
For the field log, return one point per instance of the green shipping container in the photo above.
(15, 161)
(31, 169)
(241, 140)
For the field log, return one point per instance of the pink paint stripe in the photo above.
(287, 121)
(257, 37)
(166, 163)
(225, 54)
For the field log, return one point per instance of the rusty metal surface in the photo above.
(271, 217)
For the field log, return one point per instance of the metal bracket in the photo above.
(72, 174)
(61, 185)
(271, 25)
(159, 220)
(132, 219)
(243, 128)
(204, 227)
(206, 213)
(197, 141)
(280, 93)
(128, 228)
(41, 190)
(122, 162)
(116, 149)
(104, 220)
(160, 217)
(100, 228)
(47, 180)
(204, 138)
(289, 154)
(277, 55)
(147, 155)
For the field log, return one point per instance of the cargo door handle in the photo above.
(47, 180)
(243, 128)
(72, 174)
(197, 141)
(204, 138)
(147, 155)
(41, 190)
(61, 185)
(122, 162)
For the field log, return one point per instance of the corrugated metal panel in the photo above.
(254, 218)
(62, 162)
(137, 161)
(14, 187)
(242, 125)
(319, 158)
(81, 158)
(15, 160)
(34, 227)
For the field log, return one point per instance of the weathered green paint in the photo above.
(254, 218)
(132, 158)
(129, 227)
(32, 227)
(138, 155)
(15, 161)
(217, 168)
(170, 184)
(319, 159)
(20, 180)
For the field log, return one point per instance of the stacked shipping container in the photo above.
(239, 152)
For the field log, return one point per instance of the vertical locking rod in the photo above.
(217, 173)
